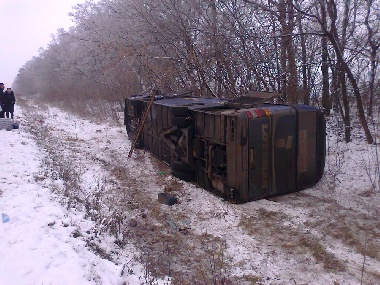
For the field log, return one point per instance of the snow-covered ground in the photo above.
(37, 234)
(329, 234)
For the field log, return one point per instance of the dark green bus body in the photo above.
(240, 151)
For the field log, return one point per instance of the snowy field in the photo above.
(80, 212)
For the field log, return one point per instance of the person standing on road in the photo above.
(9, 102)
(2, 100)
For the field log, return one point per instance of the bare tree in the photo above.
(373, 36)
(325, 64)
(220, 48)
(338, 43)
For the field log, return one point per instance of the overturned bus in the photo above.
(242, 149)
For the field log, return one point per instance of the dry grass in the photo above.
(290, 239)
(253, 280)
(360, 232)
(321, 255)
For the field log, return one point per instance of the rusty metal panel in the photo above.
(148, 117)
(307, 148)
(149, 142)
(242, 155)
(209, 126)
(159, 119)
(217, 127)
(206, 125)
(165, 116)
(284, 152)
(146, 140)
(199, 123)
(231, 153)
(236, 156)
(260, 153)
(223, 128)
(238, 153)
(153, 115)
(321, 145)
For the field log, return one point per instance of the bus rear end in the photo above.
(286, 150)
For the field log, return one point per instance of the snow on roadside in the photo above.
(35, 217)
(208, 214)
(38, 243)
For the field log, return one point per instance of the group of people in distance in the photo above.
(7, 102)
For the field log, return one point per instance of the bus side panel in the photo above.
(321, 145)
(284, 152)
(208, 126)
(218, 129)
(241, 139)
(126, 115)
(199, 124)
(159, 119)
(311, 145)
(231, 161)
(307, 149)
(260, 158)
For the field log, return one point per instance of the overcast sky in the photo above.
(26, 26)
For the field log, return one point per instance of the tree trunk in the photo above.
(372, 77)
(325, 67)
(335, 90)
(374, 48)
(283, 57)
(293, 78)
(333, 36)
(305, 87)
(354, 84)
(359, 104)
(346, 103)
